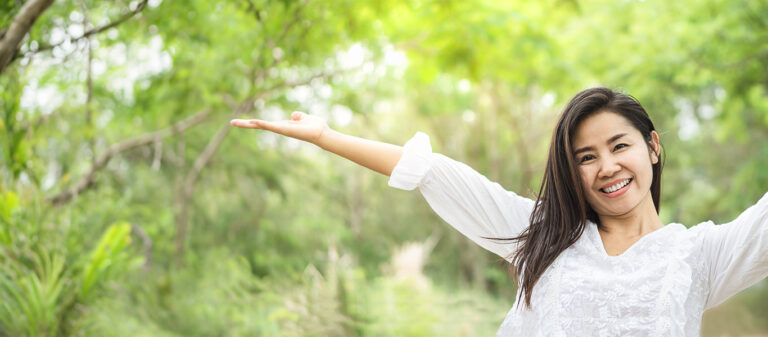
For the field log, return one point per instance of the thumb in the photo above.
(297, 115)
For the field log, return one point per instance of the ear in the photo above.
(655, 145)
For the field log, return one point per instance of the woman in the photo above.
(591, 255)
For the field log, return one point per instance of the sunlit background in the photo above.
(129, 206)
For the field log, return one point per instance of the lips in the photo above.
(616, 188)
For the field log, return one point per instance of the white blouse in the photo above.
(660, 286)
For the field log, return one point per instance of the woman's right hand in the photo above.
(377, 156)
(301, 126)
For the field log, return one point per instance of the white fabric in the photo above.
(659, 287)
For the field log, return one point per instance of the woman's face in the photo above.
(614, 162)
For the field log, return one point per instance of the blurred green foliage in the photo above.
(203, 230)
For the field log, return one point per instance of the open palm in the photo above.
(301, 126)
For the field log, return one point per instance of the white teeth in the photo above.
(616, 187)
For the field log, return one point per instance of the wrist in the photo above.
(326, 138)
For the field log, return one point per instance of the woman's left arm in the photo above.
(737, 253)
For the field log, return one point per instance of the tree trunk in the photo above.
(20, 26)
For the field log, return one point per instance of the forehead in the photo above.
(601, 126)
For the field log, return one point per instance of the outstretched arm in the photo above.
(477, 207)
(736, 253)
(378, 156)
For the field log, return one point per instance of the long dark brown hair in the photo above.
(561, 209)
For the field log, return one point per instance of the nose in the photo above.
(608, 167)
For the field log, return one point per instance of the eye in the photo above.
(620, 146)
(585, 158)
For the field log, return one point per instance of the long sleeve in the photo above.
(736, 253)
(465, 199)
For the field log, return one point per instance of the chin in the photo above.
(617, 210)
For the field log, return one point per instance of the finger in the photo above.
(247, 123)
(241, 123)
(276, 127)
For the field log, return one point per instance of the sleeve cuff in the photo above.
(414, 164)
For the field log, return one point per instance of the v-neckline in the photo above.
(600, 246)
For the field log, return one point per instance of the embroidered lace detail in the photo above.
(655, 288)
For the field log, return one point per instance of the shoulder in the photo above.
(700, 228)
(698, 234)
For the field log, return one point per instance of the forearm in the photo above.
(378, 156)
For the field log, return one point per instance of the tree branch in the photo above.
(22, 23)
(123, 146)
(147, 241)
(93, 31)
(252, 8)
(188, 187)
(289, 24)
(269, 44)
(88, 81)
(29, 126)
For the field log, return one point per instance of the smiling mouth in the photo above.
(617, 187)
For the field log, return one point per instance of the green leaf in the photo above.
(109, 248)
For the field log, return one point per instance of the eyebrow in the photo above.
(589, 148)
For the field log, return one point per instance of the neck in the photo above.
(641, 220)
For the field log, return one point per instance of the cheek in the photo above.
(642, 161)
(584, 175)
